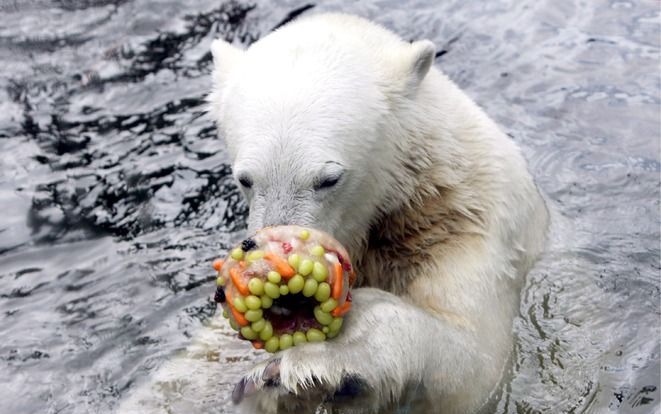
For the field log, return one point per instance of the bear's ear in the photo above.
(225, 58)
(422, 57)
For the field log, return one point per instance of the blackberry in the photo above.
(248, 244)
(219, 297)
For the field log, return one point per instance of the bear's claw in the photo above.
(237, 392)
(250, 384)
(267, 377)
(271, 374)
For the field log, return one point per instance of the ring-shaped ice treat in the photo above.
(284, 286)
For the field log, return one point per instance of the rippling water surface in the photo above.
(115, 193)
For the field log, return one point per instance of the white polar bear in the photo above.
(334, 122)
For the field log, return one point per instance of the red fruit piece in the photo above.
(286, 247)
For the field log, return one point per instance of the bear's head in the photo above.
(316, 117)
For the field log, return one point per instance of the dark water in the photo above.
(115, 193)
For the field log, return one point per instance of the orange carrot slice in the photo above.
(218, 264)
(242, 265)
(240, 319)
(341, 310)
(236, 279)
(337, 283)
(280, 264)
(258, 344)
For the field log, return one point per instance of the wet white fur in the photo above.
(338, 89)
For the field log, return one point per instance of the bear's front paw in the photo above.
(366, 368)
(299, 380)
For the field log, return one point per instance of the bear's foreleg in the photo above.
(389, 351)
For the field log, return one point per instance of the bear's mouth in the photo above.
(292, 313)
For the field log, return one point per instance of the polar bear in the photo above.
(336, 123)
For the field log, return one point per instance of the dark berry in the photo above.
(219, 297)
(248, 244)
(345, 264)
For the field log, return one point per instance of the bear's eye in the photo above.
(327, 182)
(245, 181)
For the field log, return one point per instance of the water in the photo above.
(116, 194)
